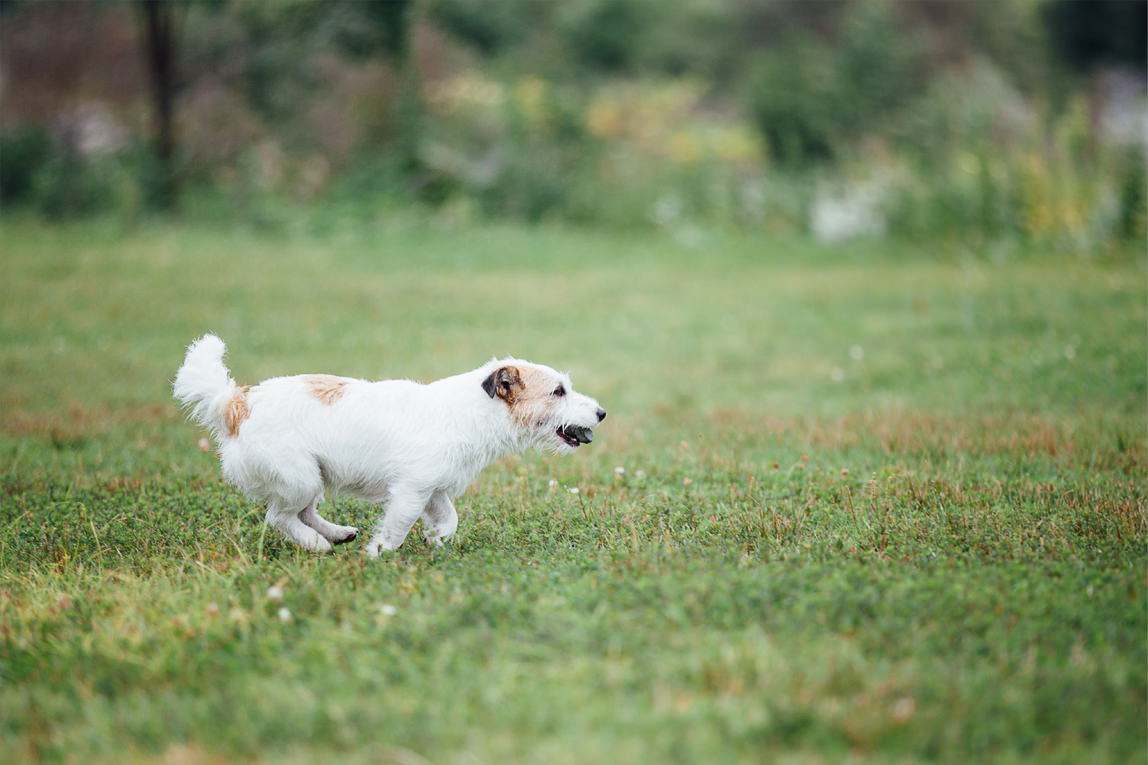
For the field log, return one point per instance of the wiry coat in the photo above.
(409, 446)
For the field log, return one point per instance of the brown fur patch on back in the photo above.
(236, 411)
(326, 388)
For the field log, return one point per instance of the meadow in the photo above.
(876, 502)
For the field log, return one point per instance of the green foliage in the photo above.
(814, 100)
(1089, 35)
(878, 70)
(283, 42)
(24, 151)
(120, 184)
(793, 97)
(603, 34)
(488, 28)
(920, 120)
(1133, 190)
(693, 38)
(71, 186)
(983, 171)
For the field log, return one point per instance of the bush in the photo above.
(603, 34)
(23, 152)
(68, 186)
(489, 27)
(793, 100)
(1133, 202)
(813, 102)
(71, 185)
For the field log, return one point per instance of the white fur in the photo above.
(410, 447)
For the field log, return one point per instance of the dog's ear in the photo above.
(504, 382)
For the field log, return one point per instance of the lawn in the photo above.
(879, 502)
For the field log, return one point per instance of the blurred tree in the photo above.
(489, 27)
(160, 26)
(813, 99)
(285, 41)
(879, 66)
(1086, 38)
(391, 23)
(604, 34)
(280, 44)
(25, 149)
(792, 96)
(1089, 34)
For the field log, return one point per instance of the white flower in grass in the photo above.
(553, 484)
(904, 708)
(284, 615)
(388, 610)
(275, 593)
(639, 474)
(620, 470)
(574, 490)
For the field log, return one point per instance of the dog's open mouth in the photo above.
(575, 435)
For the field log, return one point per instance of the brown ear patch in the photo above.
(504, 383)
(525, 391)
(326, 388)
(236, 411)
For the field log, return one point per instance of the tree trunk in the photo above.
(159, 53)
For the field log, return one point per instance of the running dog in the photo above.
(409, 447)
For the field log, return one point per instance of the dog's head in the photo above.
(543, 404)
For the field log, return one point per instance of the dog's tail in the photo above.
(203, 385)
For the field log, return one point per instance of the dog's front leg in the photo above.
(440, 520)
(404, 505)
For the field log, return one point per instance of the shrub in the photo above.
(23, 152)
(1133, 202)
(603, 34)
(792, 101)
(72, 185)
(813, 102)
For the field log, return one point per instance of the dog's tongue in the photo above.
(583, 435)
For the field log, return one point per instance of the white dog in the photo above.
(411, 447)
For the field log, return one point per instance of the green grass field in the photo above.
(884, 503)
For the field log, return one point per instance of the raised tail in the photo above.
(203, 385)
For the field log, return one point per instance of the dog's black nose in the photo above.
(601, 414)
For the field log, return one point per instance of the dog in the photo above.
(410, 447)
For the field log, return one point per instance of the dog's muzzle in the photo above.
(574, 435)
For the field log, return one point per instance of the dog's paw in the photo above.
(378, 547)
(316, 544)
(435, 538)
(346, 534)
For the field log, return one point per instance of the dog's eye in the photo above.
(559, 391)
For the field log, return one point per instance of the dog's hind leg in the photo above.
(333, 533)
(288, 523)
(440, 519)
(404, 506)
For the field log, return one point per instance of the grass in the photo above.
(877, 503)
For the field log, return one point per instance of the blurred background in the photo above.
(1020, 120)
